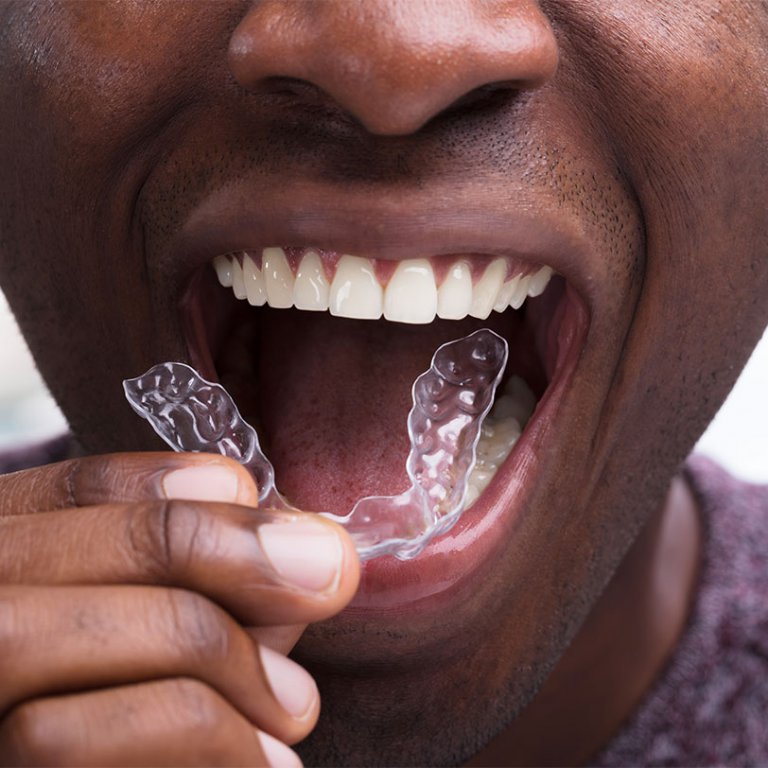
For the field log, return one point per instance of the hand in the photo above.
(124, 608)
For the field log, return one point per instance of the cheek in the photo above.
(98, 79)
(680, 90)
(95, 80)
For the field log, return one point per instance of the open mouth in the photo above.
(319, 349)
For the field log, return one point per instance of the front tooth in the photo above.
(487, 289)
(355, 291)
(539, 281)
(411, 295)
(223, 266)
(311, 289)
(238, 283)
(278, 278)
(506, 293)
(454, 298)
(254, 282)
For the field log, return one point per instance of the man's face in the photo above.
(624, 143)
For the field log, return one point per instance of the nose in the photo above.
(393, 64)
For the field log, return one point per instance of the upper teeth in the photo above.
(411, 295)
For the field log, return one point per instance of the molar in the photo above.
(223, 266)
(500, 431)
(539, 281)
(238, 282)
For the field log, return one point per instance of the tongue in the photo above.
(334, 395)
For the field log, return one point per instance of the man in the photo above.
(147, 606)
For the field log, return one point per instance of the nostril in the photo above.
(486, 96)
(291, 86)
(301, 97)
(392, 67)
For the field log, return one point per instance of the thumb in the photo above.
(126, 478)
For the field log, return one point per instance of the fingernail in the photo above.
(305, 553)
(292, 686)
(203, 482)
(277, 754)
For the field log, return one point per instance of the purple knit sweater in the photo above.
(709, 707)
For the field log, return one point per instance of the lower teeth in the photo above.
(499, 433)
(455, 449)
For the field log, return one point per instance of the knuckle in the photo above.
(12, 635)
(201, 708)
(70, 482)
(207, 632)
(215, 728)
(26, 737)
(164, 536)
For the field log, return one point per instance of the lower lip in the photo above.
(448, 562)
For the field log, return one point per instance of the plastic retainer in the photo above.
(450, 401)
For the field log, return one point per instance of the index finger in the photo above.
(265, 567)
(126, 478)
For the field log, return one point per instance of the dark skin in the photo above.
(639, 617)
(640, 131)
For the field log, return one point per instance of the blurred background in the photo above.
(737, 438)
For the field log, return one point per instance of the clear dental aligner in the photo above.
(450, 401)
(192, 414)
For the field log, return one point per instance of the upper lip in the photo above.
(392, 225)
